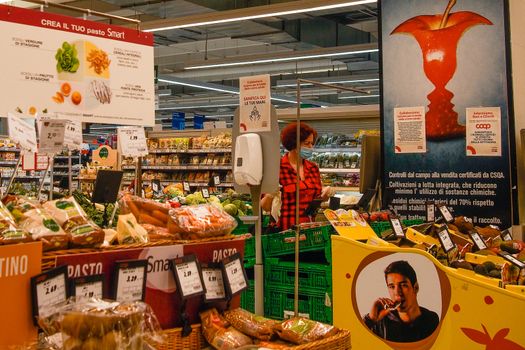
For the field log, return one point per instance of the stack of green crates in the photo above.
(381, 226)
(248, 295)
(315, 274)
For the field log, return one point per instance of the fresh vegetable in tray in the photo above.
(129, 231)
(68, 213)
(200, 221)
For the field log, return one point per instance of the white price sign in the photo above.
(186, 187)
(397, 227)
(216, 180)
(130, 286)
(22, 133)
(73, 135)
(189, 278)
(478, 241)
(213, 282)
(49, 293)
(52, 136)
(132, 141)
(431, 211)
(446, 241)
(446, 213)
(236, 278)
(89, 290)
(509, 257)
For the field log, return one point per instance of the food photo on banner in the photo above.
(445, 107)
(409, 301)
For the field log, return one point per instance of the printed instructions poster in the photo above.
(484, 131)
(255, 103)
(409, 129)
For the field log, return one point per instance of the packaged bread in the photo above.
(299, 330)
(146, 211)
(253, 325)
(200, 221)
(43, 227)
(9, 231)
(83, 233)
(102, 325)
(219, 334)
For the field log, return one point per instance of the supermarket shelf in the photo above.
(337, 149)
(25, 177)
(192, 184)
(67, 157)
(65, 167)
(200, 150)
(347, 189)
(180, 167)
(339, 171)
(8, 162)
(9, 149)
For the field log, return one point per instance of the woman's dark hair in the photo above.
(289, 135)
(402, 267)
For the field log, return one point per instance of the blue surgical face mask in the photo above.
(306, 153)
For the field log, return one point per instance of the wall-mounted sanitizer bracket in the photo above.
(257, 158)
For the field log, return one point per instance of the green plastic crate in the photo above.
(312, 276)
(381, 226)
(279, 304)
(249, 248)
(311, 239)
(248, 297)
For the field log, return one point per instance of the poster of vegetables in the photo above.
(63, 67)
(448, 56)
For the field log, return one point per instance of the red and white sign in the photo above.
(68, 68)
(34, 161)
(254, 103)
(409, 130)
(161, 293)
(484, 131)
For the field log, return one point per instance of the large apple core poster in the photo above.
(450, 58)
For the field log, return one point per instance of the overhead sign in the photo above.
(35, 161)
(81, 70)
(52, 136)
(22, 133)
(254, 103)
(73, 135)
(132, 141)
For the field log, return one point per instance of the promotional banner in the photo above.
(441, 61)
(67, 68)
(254, 103)
(376, 288)
(161, 289)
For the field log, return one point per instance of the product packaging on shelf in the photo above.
(200, 221)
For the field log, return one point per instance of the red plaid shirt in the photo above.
(309, 189)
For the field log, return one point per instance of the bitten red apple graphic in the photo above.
(438, 37)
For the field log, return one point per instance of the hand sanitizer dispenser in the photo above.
(248, 162)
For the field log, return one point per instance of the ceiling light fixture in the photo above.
(282, 59)
(331, 82)
(265, 11)
(196, 107)
(360, 96)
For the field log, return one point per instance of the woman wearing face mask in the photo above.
(310, 187)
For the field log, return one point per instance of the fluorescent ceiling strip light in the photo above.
(264, 15)
(330, 82)
(282, 59)
(160, 95)
(197, 107)
(360, 96)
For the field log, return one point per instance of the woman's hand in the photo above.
(327, 192)
(266, 202)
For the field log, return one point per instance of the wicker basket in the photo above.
(175, 341)
(340, 341)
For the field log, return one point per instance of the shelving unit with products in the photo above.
(194, 157)
(61, 170)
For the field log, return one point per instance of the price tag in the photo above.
(431, 211)
(73, 135)
(216, 180)
(48, 289)
(205, 193)
(22, 133)
(132, 141)
(187, 273)
(130, 280)
(353, 165)
(478, 240)
(186, 186)
(52, 136)
(444, 238)
(510, 258)
(505, 235)
(213, 282)
(157, 188)
(234, 274)
(446, 213)
(397, 226)
(88, 286)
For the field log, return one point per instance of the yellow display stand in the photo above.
(472, 314)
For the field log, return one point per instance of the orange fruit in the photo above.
(76, 98)
(65, 89)
(32, 110)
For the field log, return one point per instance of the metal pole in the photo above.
(255, 192)
(43, 180)
(14, 173)
(69, 173)
(51, 177)
(297, 199)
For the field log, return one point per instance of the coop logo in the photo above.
(483, 126)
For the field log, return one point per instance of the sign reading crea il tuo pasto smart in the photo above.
(67, 68)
